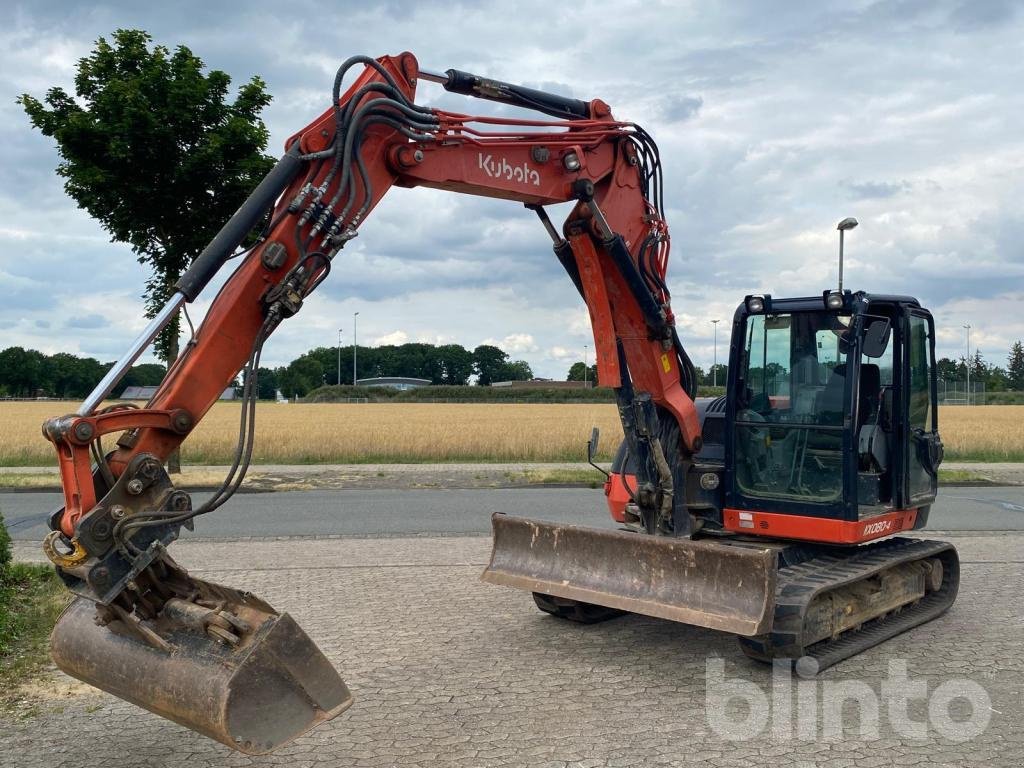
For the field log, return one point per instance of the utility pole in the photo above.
(585, 359)
(355, 348)
(714, 366)
(967, 362)
(339, 357)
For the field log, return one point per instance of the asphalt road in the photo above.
(424, 512)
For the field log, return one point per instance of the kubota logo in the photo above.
(503, 169)
(880, 527)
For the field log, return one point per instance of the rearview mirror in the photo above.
(876, 337)
(595, 436)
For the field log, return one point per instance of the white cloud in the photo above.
(395, 337)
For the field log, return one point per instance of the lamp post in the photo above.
(339, 357)
(585, 360)
(714, 365)
(967, 362)
(845, 224)
(355, 348)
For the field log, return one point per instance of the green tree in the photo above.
(576, 373)
(268, 383)
(72, 376)
(979, 368)
(518, 370)
(22, 371)
(488, 363)
(302, 375)
(1015, 367)
(143, 375)
(716, 373)
(456, 364)
(153, 149)
(950, 370)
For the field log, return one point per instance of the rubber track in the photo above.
(798, 585)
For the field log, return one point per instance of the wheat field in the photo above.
(428, 432)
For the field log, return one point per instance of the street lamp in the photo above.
(714, 366)
(585, 359)
(339, 357)
(967, 362)
(845, 224)
(355, 347)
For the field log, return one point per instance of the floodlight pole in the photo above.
(355, 348)
(339, 357)
(967, 362)
(845, 224)
(714, 365)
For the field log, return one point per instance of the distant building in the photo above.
(543, 384)
(145, 393)
(395, 382)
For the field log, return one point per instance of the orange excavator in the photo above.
(758, 513)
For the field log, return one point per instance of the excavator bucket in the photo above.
(254, 695)
(729, 587)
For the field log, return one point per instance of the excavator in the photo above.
(768, 512)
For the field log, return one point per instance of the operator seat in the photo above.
(831, 405)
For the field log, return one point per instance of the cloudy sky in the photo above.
(773, 125)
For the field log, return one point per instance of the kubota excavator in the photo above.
(748, 514)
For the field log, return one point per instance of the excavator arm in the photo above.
(614, 246)
(140, 617)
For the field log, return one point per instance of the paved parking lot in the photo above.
(448, 671)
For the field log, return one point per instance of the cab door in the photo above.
(923, 446)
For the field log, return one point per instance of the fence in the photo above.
(954, 392)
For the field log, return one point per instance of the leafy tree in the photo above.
(302, 375)
(488, 363)
(143, 375)
(518, 370)
(21, 371)
(949, 369)
(979, 368)
(153, 149)
(268, 384)
(577, 370)
(456, 364)
(716, 374)
(70, 376)
(1015, 367)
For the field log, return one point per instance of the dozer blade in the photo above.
(254, 696)
(707, 584)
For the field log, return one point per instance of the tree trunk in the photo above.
(174, 460)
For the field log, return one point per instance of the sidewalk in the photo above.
(336, 476)
(448, 671)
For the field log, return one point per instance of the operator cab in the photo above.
(831, 412)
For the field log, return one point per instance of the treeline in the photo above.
(443, 364)
(30, 373)
(995, 378)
